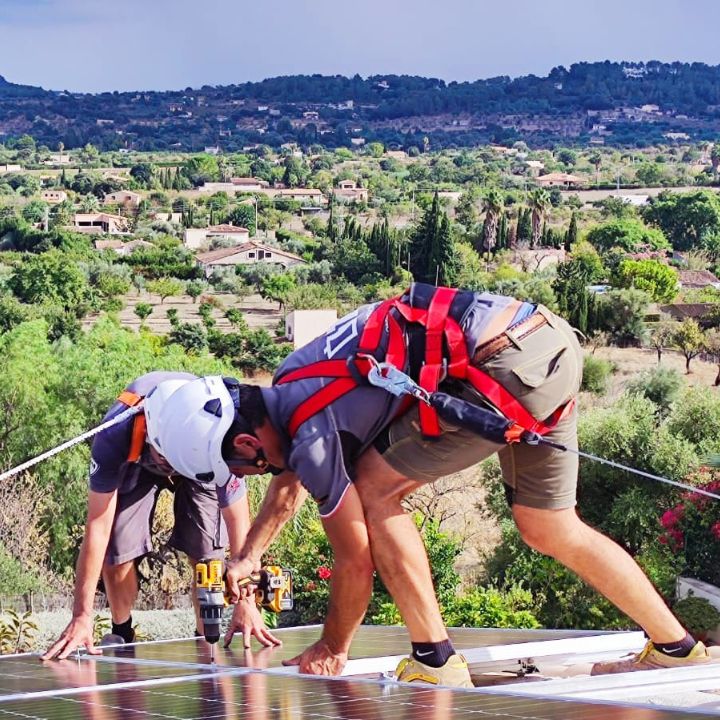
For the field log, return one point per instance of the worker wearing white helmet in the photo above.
(127, 472)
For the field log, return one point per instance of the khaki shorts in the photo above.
(199, 529)
(543, 370)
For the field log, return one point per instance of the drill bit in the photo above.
(212, 654)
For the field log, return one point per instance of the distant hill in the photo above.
(618, 103)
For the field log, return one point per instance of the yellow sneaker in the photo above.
(454, 673)
(652, 659)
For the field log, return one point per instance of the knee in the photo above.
(117, 573)
(553, 533)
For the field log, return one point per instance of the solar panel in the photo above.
(257, 696)
(173, 680)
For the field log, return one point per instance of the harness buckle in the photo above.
(386, 376)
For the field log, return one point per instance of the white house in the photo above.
(195, 238)
(53, 197)
(99, 223)
(302, 326)
(126, 198)
(248, 253)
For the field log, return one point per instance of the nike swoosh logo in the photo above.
(429, 652)
(671, 652)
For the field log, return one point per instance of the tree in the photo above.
(690, 340)
(200, 169)
(35, 211)
(539, 202)
(195, 289)
(142, 174)
(596, 160)
(143, 311)
(431, 247)
(49, 277)
(658, 280)
(25, 148)
(89, 154)
(191, 336)
(165, 288)
(466, 212)
(493, 205)
(662, 334)
(572, 234)
(567, 157)
(712, 345)
(685, 218)
(276, 287)
(243, 215)
(622, 314)
(628, 234)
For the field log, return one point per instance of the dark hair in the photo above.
(250, 416)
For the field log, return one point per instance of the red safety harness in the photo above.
(446, 355)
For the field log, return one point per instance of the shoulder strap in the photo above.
(139, 429)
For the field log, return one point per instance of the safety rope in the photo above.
(124, 415)
(557, 446)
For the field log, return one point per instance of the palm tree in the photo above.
(493, 205)
(538, 200)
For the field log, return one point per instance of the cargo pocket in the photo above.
(539, 370)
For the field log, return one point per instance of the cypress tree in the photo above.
(502, 232)
(572, 233)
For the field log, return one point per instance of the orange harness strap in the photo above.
(139, 429)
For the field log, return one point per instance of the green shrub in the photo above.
(660, 385)
(490, 607)
(596, 373)
(697, 614)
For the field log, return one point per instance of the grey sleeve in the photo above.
(232, 491)
(318, 462)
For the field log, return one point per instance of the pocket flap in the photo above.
(538, 370)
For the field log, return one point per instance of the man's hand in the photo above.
(319, 659)
(78, 633)
(246, 618)
(238, 570)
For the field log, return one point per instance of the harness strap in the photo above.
(430, 373)
(139, 428)
(319, 401)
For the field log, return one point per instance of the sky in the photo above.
(96, 45)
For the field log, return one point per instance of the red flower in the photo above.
(324, 573)
(715, 530)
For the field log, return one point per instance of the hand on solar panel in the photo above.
(78, 633)
(319, 659)
(246, 619)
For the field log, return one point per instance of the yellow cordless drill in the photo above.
(274, 592)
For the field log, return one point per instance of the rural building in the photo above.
(120, 247)
(195, 238)
(302, 326)
(126, 198)
(235, 185)
(697, 279)
(348, 191)
(53, 197)
(301, 194)
(100, 223)
(10, 168)
(701, 312)
(563, 180)
(248, 253)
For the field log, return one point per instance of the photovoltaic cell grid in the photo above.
(257, 696)
(370, 641)
(26, 674)
(172, 680)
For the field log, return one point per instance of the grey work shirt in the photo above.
(109, 466)
(325, 447)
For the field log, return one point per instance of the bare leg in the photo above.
(602, 563)
(193, 592)
(397, 548)
(121, 588)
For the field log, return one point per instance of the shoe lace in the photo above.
(649, 647)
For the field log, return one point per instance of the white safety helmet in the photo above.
(187, 423)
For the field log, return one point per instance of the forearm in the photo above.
(88, 569)
(237, 521)
(350, 592)
(284, 497)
